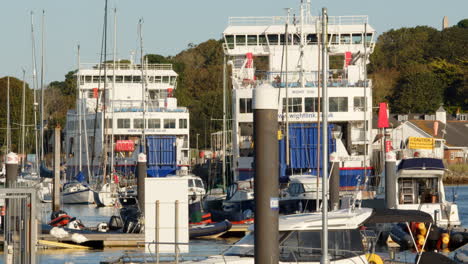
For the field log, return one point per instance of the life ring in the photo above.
(374, 258)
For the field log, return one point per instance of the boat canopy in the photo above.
(398, 216)
(421, 164)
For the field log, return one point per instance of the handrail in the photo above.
(126, 66)
(281, 20)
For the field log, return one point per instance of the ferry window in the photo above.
(282, 40)
(295, 105)
(252, 40)
(245, 105)
(136, 79)
(262, 40)
(338, 104)
(357, 38)
(88, 79)
(172, 82)
(138, 123)
(110, 78)
(151, 79)
(230, 41)
(311, 104)
(334, 39)
(128, 79)
(311, 39)
(118, 79)
(95, 79)
(154, 123)
(157, 79)
(81, 79)
(345, 39)
(182, 123)
(368, 38)
(358, 103)
(169, 123)
(297, 39)
(91, 94)
(165, 79)
(123, 123)
(108, 122)
(273, 39)
(152, 94)
(240, 40)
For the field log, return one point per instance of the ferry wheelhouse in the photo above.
(259, 50)
(112, 111)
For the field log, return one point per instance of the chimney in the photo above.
(441, 115)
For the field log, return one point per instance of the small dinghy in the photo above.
(212, 230)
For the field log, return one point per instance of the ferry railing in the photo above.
(281, 20)
(126, 66)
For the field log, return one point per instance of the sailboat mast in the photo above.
(23, 119)
(34, 82)
(8, 144)
(113, 92)
(104, 145)
(224, 123)
(78, 103)
(286, 36)
(42, 88)
(143, 88)
(325, 258)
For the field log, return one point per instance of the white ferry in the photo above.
(123, 105)
(292, 64)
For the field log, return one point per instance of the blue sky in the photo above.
(169, 26)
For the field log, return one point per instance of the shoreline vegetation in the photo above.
(456, 174)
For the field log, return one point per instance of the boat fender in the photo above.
(374, 258)
(75, 224)
(102, 227)
(401, 237)
(443, 242)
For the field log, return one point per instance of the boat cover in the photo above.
(421, 164)
(398, 216)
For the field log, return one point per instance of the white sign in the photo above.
(274, 203)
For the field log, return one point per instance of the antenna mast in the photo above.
(42, 88)
(143, 85)
(8, 117)
(34, 82)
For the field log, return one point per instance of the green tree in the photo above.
(463, 23)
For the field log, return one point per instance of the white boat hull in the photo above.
(78, 197)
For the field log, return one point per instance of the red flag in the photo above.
(383, 117)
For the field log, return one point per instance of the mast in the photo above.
(286, 38)
(365, 101)
(113, 92)
(80, 165)
(42, 88)
(224, 123)
(143, 86)
(8, 137)
(104, 145)
(325, 259)
(23, 118)
(317, 202)
(34, 82)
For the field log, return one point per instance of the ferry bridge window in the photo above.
(151, 79)
(81, 79)
(95, 79)
(109, 122)
(165, 79)
(88, 79)
(282, 40)
(154, 123)
(252, 40)
(272, 39)
(245, 105)
(173, 79)
(157, 79)
(294, 106)
(169, 123)
(230, 41)
(119, 79)
(123, 123)
(333, 39)
(338, 104)
(297, 39)
(262, 40)
(358, 103)
(357, 38)
(345, 38)
(240, 40)
(152, 94)
(368, 39)
(128, 79)
(311, 39)
(138, 123)
(182, 123)
(136, 79)
(311, 104)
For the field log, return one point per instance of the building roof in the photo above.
(428, 127)
(457, 132)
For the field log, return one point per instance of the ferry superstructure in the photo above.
(293, 66)
(126, 102)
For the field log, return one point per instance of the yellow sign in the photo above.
(420, 143)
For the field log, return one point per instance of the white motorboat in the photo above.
(77, 193)
(196, 188)
(107, 195)
(301, 194)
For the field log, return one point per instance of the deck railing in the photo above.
(281, 20)
(126, 66)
